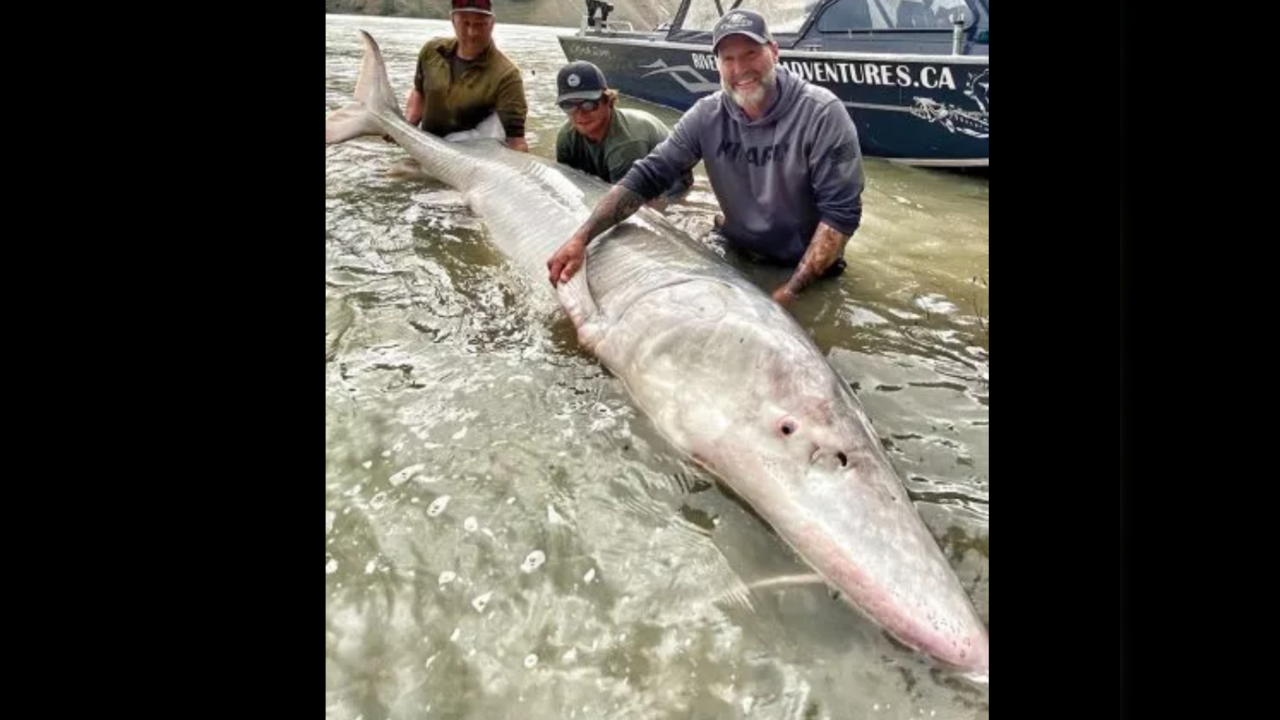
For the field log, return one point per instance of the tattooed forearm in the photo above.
(617, 205)
(826, 247)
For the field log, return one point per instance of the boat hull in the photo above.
(913, 109)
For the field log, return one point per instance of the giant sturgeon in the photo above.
(724, 373)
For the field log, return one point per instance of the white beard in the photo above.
(754, 97)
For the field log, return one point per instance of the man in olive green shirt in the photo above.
(465, 85)
(601, 138)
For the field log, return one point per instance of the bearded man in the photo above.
(782, 156)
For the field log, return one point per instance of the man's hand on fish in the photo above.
(567, 260)
(783, 296)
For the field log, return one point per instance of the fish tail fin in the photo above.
(374, 96)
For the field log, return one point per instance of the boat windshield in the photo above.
(788, 16)
(783, 16)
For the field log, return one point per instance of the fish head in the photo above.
(804, 454)
(732, 380)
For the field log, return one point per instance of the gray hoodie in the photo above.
(775, 177)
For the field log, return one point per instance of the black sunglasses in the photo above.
(586, 105)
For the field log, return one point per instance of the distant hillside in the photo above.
(562, 13)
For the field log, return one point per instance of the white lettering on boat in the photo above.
(844, 73)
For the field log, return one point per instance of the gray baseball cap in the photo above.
(580, 80)
(741, 22)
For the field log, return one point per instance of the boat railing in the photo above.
(957, 32)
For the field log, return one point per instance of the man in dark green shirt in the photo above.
(464, 83)
(601, 138)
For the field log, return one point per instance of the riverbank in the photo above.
(557, 13)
